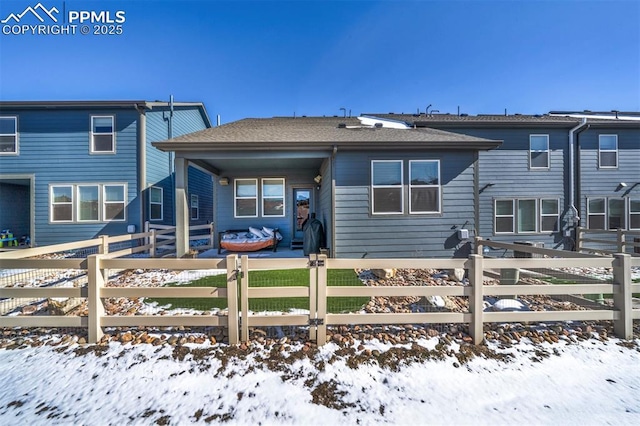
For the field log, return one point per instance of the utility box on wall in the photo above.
(463, 234)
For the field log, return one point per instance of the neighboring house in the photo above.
(552, 173)
(72, 170)
(385, 190)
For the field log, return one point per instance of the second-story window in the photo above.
(608, 151)
(8, 135)
(539, 151)
(102, 135)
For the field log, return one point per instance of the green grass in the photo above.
(275, 278)
(594, 297)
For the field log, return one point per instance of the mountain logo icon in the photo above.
(38, 11)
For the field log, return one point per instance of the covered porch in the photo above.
(257, 190)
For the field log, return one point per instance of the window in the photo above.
(273, 197)
(102, 135)
(424, 186)
(504, 216)
(608, 151)
(634, 213)
(596, 213)
(114, 202)
(8, 135)
(527, 216)
(156, 202)
(195, 207)
(386, 187)
(246, 197)
(539, 151)
(549, 215)
(62, 203)
(616, 214)
(88, 203)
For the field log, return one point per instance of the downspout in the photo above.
(142, 163)
(171, 169)
(333, 200)
(572, 177)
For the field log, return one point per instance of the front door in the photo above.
(302, 208)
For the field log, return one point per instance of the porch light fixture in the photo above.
(224, 181)
(317, 179)
(623, 185)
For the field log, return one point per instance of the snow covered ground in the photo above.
(596, 381)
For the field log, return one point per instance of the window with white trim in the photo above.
(8, 135)
(424, 186)
(88, 203)
(103, 135)
(156, 203)
(634, 213)
(539, 151)
(114, 202)
(273, 197)
(504, 216)
(596, 213)
(608, 151)
(526, 215)
(387, 187)
(549, 215)
(245, 198)
(195, 207)
(616, 214)
(61, 203)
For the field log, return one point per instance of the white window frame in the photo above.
(264, 197)
(92, 147)
(438, 186)
(600, 151)
(547, 151)
(193, 198)
(15, 135)
(235, 197)
(535, 214)
(556, 215)
(632, 213)
(152, 203)
(401, 186)
(52, 203)
(79, 201)
(604, 214)
(105, 202)
(512, 216)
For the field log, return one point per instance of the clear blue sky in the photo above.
(267, 58)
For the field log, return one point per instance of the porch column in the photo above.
(182, 206)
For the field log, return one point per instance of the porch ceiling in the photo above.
(226, 165)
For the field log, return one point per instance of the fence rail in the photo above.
(241, 288)
(607, 241)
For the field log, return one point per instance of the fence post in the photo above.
(244, 298)
(476, 326)
(96, 306)
(579, 237)
(152, 250)
(211, 235)
(322, 299)
(623, 327)
(232, 298)
(103, 248)
(621, 241)
(478, 245)
(313, 296)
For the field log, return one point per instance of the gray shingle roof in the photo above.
(314, 132)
